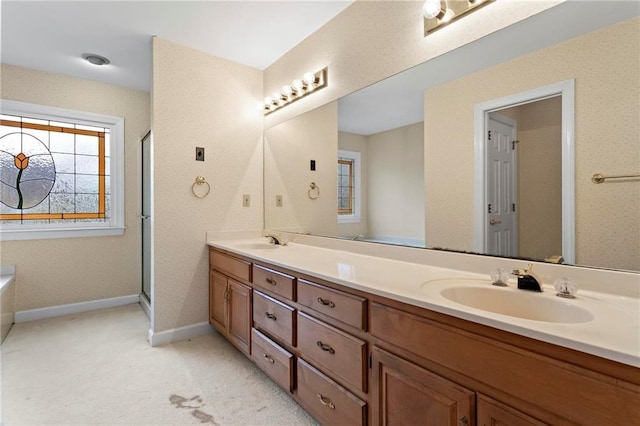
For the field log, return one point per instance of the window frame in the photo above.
(357, 186)
(115, 224)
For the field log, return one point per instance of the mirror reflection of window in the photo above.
(348, 186)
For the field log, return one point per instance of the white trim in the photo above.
(146, 307)
(180, 333)
(74, 308)
(566, 89)
(115, 226)
(357, 177)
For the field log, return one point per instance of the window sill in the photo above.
(348, 219)
(48, 234)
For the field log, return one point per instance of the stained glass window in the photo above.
(53, 171)
(61, 172)
(349, 186)
(345, 185)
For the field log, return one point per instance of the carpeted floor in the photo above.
(97, 368)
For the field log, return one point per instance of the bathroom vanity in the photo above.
(361, 340)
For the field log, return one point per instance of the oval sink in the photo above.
(518, 303)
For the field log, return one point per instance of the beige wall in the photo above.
(70, 270)
(356, 143)
(200, 100)
(289, 147)
(372, 40)
(539, 197)
(395, 161)
(604, 65)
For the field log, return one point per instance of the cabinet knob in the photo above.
(268, 358)
(271, 281)
(326, 401)
(270, 316)
(325, 347)
(326, 302)
(464, 421)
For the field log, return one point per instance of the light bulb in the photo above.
(275, 98)
(287, 91)
(267, 100)
(297, 85)
(309, 78)
(431, 9)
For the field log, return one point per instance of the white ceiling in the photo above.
(51, 35)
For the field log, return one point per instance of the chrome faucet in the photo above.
(527, 279)
(275, 239)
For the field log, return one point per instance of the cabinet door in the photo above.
(410, 395)
(218, 301)
(239, 306)
(494, 413)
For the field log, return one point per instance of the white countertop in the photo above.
(612, 333)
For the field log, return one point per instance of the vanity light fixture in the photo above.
(95, 59)
(298, 89)
(438, 13)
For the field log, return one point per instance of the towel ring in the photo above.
(200, 180)
(314, 191)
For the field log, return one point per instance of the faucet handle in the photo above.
(566, 287)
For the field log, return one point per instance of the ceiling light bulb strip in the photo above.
(438, 13)
(298, 89)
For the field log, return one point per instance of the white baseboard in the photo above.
(74, 308)
(180, 333)
(146, 307)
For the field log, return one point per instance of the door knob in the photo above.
(495, 222)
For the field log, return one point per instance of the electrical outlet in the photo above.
(199, 153)
(245, 200)
(278, 200)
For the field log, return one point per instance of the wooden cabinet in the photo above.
(239, 328)
(230, 303)
(355, 358)
(410, 395)
(327, 400)
(338, 352)
(494, 413)
(272, 359)
(342, 306)
(274, 317)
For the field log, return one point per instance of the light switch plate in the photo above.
(246, 200)
(278, 200)
(199, 153)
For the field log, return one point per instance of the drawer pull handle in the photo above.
(325, 348)
(268, 358)
(270, 316)
(326, 302)
(464, 421)
(271, 281)
(326, 401)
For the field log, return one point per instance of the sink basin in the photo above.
(518, 303)
(256, 246)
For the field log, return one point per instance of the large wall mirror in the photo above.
(397, 162)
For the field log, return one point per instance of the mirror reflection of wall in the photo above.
(289, 149)
(603, 64)
(392, 186)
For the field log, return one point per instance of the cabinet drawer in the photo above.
(334, 303)
(274, 317)
(276, 362)
(230, 265)
(339, 352)
(326, 400)
(274, 281)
